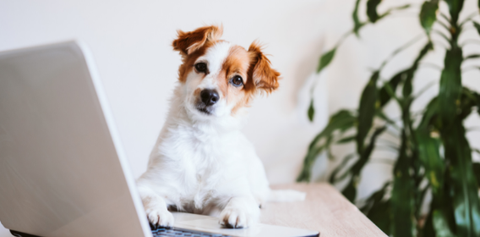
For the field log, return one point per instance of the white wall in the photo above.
(130, 41)
(131, 46)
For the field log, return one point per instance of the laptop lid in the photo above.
(62, 169)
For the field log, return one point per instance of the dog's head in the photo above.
(220, 78)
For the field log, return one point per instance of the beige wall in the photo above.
(130, 41)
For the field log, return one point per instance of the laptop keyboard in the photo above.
(181, 232)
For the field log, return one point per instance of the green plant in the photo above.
(434, 154)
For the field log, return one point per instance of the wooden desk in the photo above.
(324, 210)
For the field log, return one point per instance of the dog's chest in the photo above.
(206, 158)
(208, 163)
(200, 166)
(202, 172)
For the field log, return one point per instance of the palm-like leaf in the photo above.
(434, 156)
(428, 15)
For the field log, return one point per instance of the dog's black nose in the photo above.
(209, 97)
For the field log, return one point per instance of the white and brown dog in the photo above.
(201, 161)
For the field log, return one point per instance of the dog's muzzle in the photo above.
(208, 97)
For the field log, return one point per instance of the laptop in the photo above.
(63, 171)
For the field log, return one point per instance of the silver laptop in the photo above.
(62, 168)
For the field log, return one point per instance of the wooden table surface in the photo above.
(324, 210)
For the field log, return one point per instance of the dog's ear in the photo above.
(260, 72)
(189, 42)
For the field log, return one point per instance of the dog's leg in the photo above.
(155, 207)
(240, 212)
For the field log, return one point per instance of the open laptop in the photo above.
(62, 168)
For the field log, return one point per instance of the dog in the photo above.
(201, 162)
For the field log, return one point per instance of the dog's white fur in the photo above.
(202, 162)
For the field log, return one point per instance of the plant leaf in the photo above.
(402, 200)
(428, 229)
(378, 210)
(306, 173)
(450, 85)
(372, 10)
(347, 139)
(332, 179)
(430, 113)
(464, 187)
(380, 215)
(428, 15)
(356, 21)
(477, 26)
(375, 197)
(478, 104)
(357, 25)
(326, 59)
(311, 111)
(366, 110)
(341, 121)
(383, 94)
(408, 84)
(476, 171)
(455, 7)
(468, 100)
(473, 56)
(386, 13)
(440, 223)
(419, 200)
(404, 197)
(429, 155)
(350, 191)
(384, 117)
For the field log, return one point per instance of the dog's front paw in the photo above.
(160, 218)
(237, 218)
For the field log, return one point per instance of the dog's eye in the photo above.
(237, 81)
(201, 67)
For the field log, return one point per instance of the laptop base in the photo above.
(156, 232)
(20, 234)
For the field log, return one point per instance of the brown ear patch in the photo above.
(189, 42)
(193, 44)
(260, 71)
